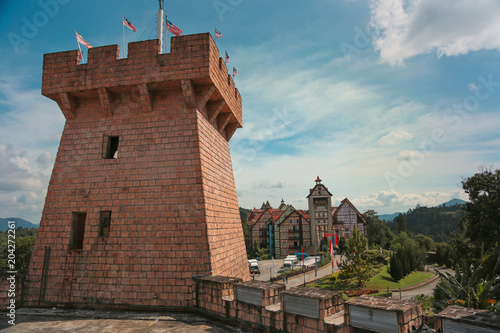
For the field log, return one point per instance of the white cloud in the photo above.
(411, 155)
(406, 28)
(30, 125)
(44, 159)
(391, 201)
(15, 171)
(394, 138)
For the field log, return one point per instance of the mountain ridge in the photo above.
(19, 223)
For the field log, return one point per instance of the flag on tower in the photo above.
(218, 34)
(80, 54)
(235, 72)
(227, 58)
(128, 24)
(80, 40)
(173, 28)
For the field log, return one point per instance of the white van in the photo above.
(253, 265)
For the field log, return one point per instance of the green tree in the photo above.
(25, 240)
(354, 265)
(247, 234)
(425, 242)
(442, 253)
(400, 224)
(262, 253)
(461, 249)
(396, 267)
(379, 234)
(324, 244)
(342, 244)
(481, 223)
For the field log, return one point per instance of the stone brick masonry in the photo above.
(170, 191)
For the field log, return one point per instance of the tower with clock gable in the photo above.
(320, 213)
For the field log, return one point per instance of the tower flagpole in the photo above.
(123, 36)
(159, 25)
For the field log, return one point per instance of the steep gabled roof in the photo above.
(289, 211)
(315, 186)
(346, 201)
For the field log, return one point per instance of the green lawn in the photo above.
(383, 280)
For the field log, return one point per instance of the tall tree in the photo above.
(400, 224)
(481, 223)
(354, 264)
(377, 231)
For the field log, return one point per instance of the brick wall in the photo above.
(171, 192)
(11, 289)
(220, 297)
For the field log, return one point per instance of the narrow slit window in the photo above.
(104, 222)
(111, 147)
(77, 232)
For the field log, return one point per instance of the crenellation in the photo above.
(143, 74)
(103, 56)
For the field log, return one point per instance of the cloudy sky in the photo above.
(391, 102)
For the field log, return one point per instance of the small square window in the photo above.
(111, 148)
(104, 221)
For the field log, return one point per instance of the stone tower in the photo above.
(142, 195)
(320, 213)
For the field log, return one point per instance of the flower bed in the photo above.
(355, 293)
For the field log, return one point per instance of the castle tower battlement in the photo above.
(142, 195)
(193, 64)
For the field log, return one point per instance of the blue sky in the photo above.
(390, 102)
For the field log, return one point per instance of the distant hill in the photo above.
(438, 222)
(19, 223)
(244, 213)
(452, 202)
(388, 217)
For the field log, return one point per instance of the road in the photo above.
(426, 289)
(266, 268)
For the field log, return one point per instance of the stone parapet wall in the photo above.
(406, 314)
(269, 315)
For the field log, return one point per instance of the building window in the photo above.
(111, 146)
(104, 221)
(77, 231)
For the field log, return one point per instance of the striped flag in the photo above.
(331, 253)
(80, 40)
(302, 251)
(274, 269)
(173, 28)
(227, 58)
(235, 72)
(128, 24)
(218, 34)
(80, 54)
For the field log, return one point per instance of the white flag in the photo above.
(274, 269)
